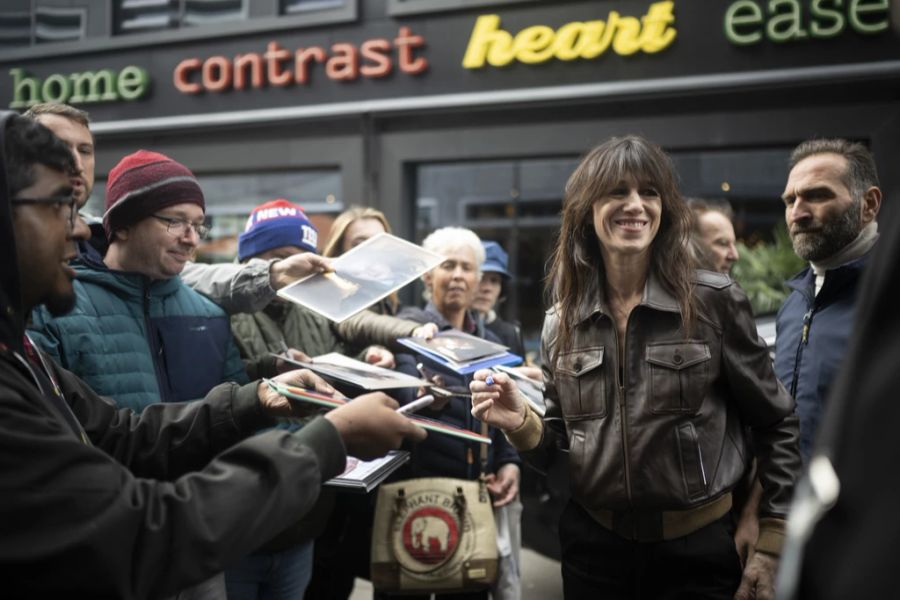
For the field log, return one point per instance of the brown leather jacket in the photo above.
(665, 430)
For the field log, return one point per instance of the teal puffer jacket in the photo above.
(140, 341)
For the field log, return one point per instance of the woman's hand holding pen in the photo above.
(496, 400)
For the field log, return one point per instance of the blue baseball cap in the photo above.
(496, 260)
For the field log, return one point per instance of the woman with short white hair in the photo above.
(451, 241)
(450, 289)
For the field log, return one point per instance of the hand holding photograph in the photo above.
(357, 373)
(532, 390)
(362, 276)
(459, 352)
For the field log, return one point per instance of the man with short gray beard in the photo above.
(831, 201)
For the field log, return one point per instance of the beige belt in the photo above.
(653, 526)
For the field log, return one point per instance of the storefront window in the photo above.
(25, 23)
(230, 198)
(15, 24)
(750, 180)
(292, 7)
(54, 24)
(134, 16)
(515, 203)
(407, 7)
(518, 202)
(204, 12)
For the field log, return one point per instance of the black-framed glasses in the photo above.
(58, 200)
(180, 227)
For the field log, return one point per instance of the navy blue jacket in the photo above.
(442, 455)
(812, 333)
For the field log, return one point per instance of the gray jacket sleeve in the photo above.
(367, 327)
(237, 288)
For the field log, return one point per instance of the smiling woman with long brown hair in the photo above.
(653, 373)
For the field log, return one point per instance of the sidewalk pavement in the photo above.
(541, 579)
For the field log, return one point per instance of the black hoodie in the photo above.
(104, 503)
(12, 324)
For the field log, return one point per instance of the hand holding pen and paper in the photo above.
(277, 405)
(496, 400)
(368, 426)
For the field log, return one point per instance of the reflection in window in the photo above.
(750, 180)
(203, 12)
(146, 15)
(25, 23)
(230, 198)
(412, 7)
(515, 203)
(59, 24)
(15, 24)
(133, 16)
(291, 7)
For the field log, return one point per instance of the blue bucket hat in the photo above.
(496, 260)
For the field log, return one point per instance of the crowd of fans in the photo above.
(144, 458)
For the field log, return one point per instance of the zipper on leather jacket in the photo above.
(804, 340)
(620, 385)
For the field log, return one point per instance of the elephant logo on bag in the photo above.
(430, 532)
(430, 535)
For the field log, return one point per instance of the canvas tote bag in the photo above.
(434, 534)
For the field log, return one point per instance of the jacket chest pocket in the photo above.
(580, 384)
(678, 376)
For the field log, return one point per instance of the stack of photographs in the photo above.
(296, 394)
(460, 353)
(365, 475)
(362, 276)
(337, 367)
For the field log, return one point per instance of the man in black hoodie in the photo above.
(110, 504)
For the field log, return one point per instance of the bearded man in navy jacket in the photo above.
(831, 201)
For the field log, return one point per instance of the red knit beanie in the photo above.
(144, 183)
